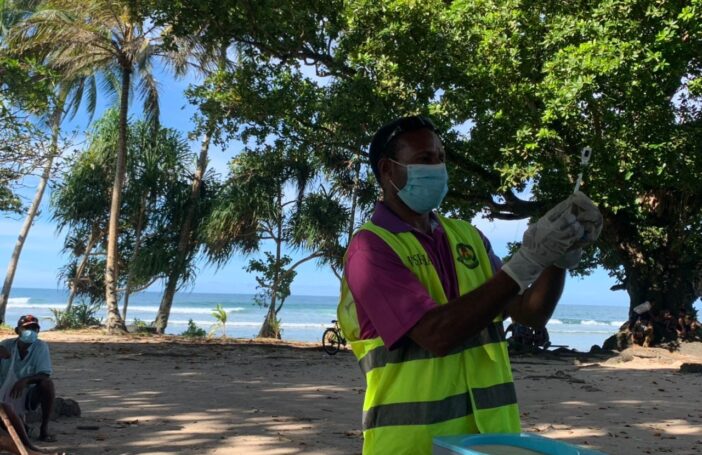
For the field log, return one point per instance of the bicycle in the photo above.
(332, 339)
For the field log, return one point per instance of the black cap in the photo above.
(388, 132)
(27, 320)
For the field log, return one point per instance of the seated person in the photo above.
(522, 335)
(681, 328)
(8, 443)
(648, 333)
(695, 330)
(541, 338)
(638, 332)
(25, 373)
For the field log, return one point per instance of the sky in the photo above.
(42, 258)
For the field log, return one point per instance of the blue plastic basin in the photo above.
(506, 444)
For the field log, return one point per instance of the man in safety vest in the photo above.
(423, 298)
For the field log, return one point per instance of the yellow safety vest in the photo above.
(412, 395)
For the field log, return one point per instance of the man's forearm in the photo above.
(447, 326)
(35, 378)
(537, 304)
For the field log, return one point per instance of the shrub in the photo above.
(80, 316)
(193, 331)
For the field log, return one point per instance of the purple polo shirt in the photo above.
(390, 300)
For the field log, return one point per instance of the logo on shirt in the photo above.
(418, 260)
(466, 255)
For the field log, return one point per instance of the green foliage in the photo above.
(272, 277)
(80, 316)
(154, 201)
(221, 316)
(193, 331)
(518, 88)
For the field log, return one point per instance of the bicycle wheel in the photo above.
(330, 341)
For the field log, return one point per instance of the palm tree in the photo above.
(187, 245)
(81, 38)
(66, 93)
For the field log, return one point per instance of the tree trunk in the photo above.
(137, 247)
(94, 237)
(186, 236)
(664, 282)
(115, 324)
(33, 210)
(269, 328)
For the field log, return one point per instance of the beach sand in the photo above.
(164, 395)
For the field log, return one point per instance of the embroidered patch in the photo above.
(466, 255)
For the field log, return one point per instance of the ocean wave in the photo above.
(555, 321)
(18, 301)
(212, 322)
(182, 310)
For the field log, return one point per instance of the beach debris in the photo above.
(691, 368)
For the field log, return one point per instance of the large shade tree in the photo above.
(519, 88)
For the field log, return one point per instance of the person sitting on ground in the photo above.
(8, 443)
(695, 332)
(522, 335)
(681, 329)
(541, 338)
(691, 326)
(668, 325)
(647, 333)
(638, 332)
(25, 373)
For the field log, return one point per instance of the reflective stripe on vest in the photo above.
(411, 395)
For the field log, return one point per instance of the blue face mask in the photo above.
(426, 187)
(28, 336)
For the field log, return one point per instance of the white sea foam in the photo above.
(182, 310)
(18, 301)
(591, 322)
(555, 321)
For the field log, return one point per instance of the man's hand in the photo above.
(18, 388)
(570, 259)
(589, 216)
(544, 242)
(4, 353)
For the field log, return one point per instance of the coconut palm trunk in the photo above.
(31, 214)
(137, 248)
(115, 323)
(186, 236)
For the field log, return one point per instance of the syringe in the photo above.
(585, 155)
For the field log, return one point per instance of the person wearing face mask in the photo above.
(25, 373)
(423, 298)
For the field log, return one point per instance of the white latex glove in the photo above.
(589, 216)
(570, 259)
(543, 243)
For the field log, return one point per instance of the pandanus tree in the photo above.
(269, 200)
(158, 172)
(111, 40)
(210, 60)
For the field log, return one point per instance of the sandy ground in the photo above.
(165, 396)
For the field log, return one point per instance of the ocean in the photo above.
(303, 318)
